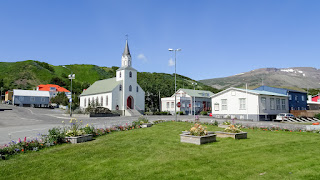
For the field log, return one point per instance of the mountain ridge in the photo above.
(294, 77)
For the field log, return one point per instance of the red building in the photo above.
(53, 89)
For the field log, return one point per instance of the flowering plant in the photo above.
(226, 123)
(198, 130)
(233, 128)
(75, 128)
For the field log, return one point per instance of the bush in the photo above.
(204, 112)
(56, 136)
(180, 112)
(157, 113)
(317, 116)
(148, 113)
(165, 113)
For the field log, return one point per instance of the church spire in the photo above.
(126, 49)
(126, 57)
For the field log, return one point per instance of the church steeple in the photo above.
(126, 50)
(126, 56)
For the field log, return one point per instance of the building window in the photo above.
(85, 102)
(97, 101)
(130, 88)
(283, 104)
(302, 98)
(120, 87)
(52, 89)
(296, 97)
(137, 89)
(130, 74)
(272, 105)
(264, 103)
(216, 106)
(92, 101)
(101, 100)
(172, 104)
(278, 103)
(290, 97)
(32, 98)
(242, 103)
(168, 105)
(106, 100)
(224, 104)
(21, 98)
(43, 99)
(120, 74)
(89, 101)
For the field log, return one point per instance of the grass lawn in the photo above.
(156, 153)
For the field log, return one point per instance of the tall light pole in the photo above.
(194, 100)
(175, 80)
(70, 76)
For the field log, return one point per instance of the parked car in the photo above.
(282, 116)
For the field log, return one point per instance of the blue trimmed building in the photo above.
(297, 99)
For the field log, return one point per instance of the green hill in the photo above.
(29, 74)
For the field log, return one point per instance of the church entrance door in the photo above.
(130, 102)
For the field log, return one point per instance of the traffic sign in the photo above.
(70, 100)
(178, 104)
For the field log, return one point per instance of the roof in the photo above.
(277, 90)
(127, 68)
(197, 93)
(20, 92)
(256, 92)
(126, 49)
(102, 86)
(46, 87)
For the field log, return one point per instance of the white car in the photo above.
(283, 116)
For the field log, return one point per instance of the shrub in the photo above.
(198, 130)
(317, 116)
(180, 112)
(157, 113)
(165, 113)
(226, 123)
(233, 129)
(56, 136)
(204, 112)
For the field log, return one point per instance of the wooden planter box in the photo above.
(223, 126)
(145, 125)
(79, 139)
(241, 135)
(198, 140)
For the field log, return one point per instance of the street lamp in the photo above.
(70, 76)
(194, 99)
(175, 80)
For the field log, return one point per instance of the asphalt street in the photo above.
(28, 122)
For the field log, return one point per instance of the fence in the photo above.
(306, 113)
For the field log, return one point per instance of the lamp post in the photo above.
(70, 76)
(175, 81)
(194, 100)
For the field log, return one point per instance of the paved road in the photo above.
(23, 122)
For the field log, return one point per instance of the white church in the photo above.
(121, 93)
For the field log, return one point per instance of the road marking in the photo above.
(30, 111)
(31, 119)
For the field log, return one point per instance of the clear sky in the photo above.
(218, 38)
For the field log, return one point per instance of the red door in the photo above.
(130, 102)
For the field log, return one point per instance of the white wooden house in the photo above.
(248, 104)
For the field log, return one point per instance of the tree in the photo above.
(60, 98)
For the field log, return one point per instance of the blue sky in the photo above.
(217, 38)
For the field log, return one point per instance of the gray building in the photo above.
(30, 98)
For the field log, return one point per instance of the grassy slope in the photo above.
(156, 153)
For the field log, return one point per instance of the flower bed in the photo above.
(197, 135)
(241, 135)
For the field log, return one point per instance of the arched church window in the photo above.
(101, 100)
(130, 74)
(137, 89)
(120, 87)
(85, 102)
(130, 88)
(97, 101)
(119, 74)
(106, 100)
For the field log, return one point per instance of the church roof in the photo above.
(126, 49)
(197, 93)
(127, 68)
(101, 86)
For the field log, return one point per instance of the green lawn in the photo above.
(156, 153)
